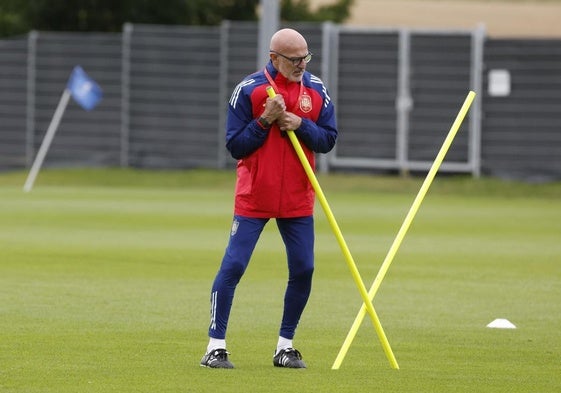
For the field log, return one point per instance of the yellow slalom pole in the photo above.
(404, 227)
(348, 257)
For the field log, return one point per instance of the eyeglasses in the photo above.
(295, 60)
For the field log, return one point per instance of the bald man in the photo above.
(271, 183)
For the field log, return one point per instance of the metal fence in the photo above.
(396, 92)
(14, 99)
(399, 91)
(522, 130)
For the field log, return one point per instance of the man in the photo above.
(271, 183)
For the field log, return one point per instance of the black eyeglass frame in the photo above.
(295, 60)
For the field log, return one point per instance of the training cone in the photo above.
(501, 324)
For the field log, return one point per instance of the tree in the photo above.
(12, 20)
(18, 17)
(299, 10)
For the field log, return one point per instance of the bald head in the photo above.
(288, 52)
(288, 40)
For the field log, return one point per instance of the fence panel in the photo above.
(398, 93)
(174, 90)
(366, 94)
(440, 80)
(13, 103)
(522, 129)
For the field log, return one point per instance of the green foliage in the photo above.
(299, 10)
(212, 12)
(109, 15)
(18, 17)
(13, 20)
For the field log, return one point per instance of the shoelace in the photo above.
(221, 354)
(295, 352)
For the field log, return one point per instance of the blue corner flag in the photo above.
(85, 91)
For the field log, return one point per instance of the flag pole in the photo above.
(55, 121)
(86, 93)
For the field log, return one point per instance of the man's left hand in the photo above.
(288, 121)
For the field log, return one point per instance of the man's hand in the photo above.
(274, 108)
(288, 121)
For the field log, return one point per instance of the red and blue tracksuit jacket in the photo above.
(271, 182)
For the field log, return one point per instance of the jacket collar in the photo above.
(277, 76)
(271, 70)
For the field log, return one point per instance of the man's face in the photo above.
(292, 64)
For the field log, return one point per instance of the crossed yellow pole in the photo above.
(404, 227)
(348, 257)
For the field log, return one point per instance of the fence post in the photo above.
(268, 25)
(222, 91)
(477, 46)
(125, 94)
(404, 102)
(331, 68)
(327, 32)
(30, 97)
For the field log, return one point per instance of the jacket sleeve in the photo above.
(320, 136)
(243, 134)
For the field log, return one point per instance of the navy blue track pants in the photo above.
(298, 237)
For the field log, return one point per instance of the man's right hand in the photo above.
(274, 108)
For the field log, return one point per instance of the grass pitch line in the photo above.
(404, 227)
(344, 248)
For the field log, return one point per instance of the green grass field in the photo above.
(105, 278)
